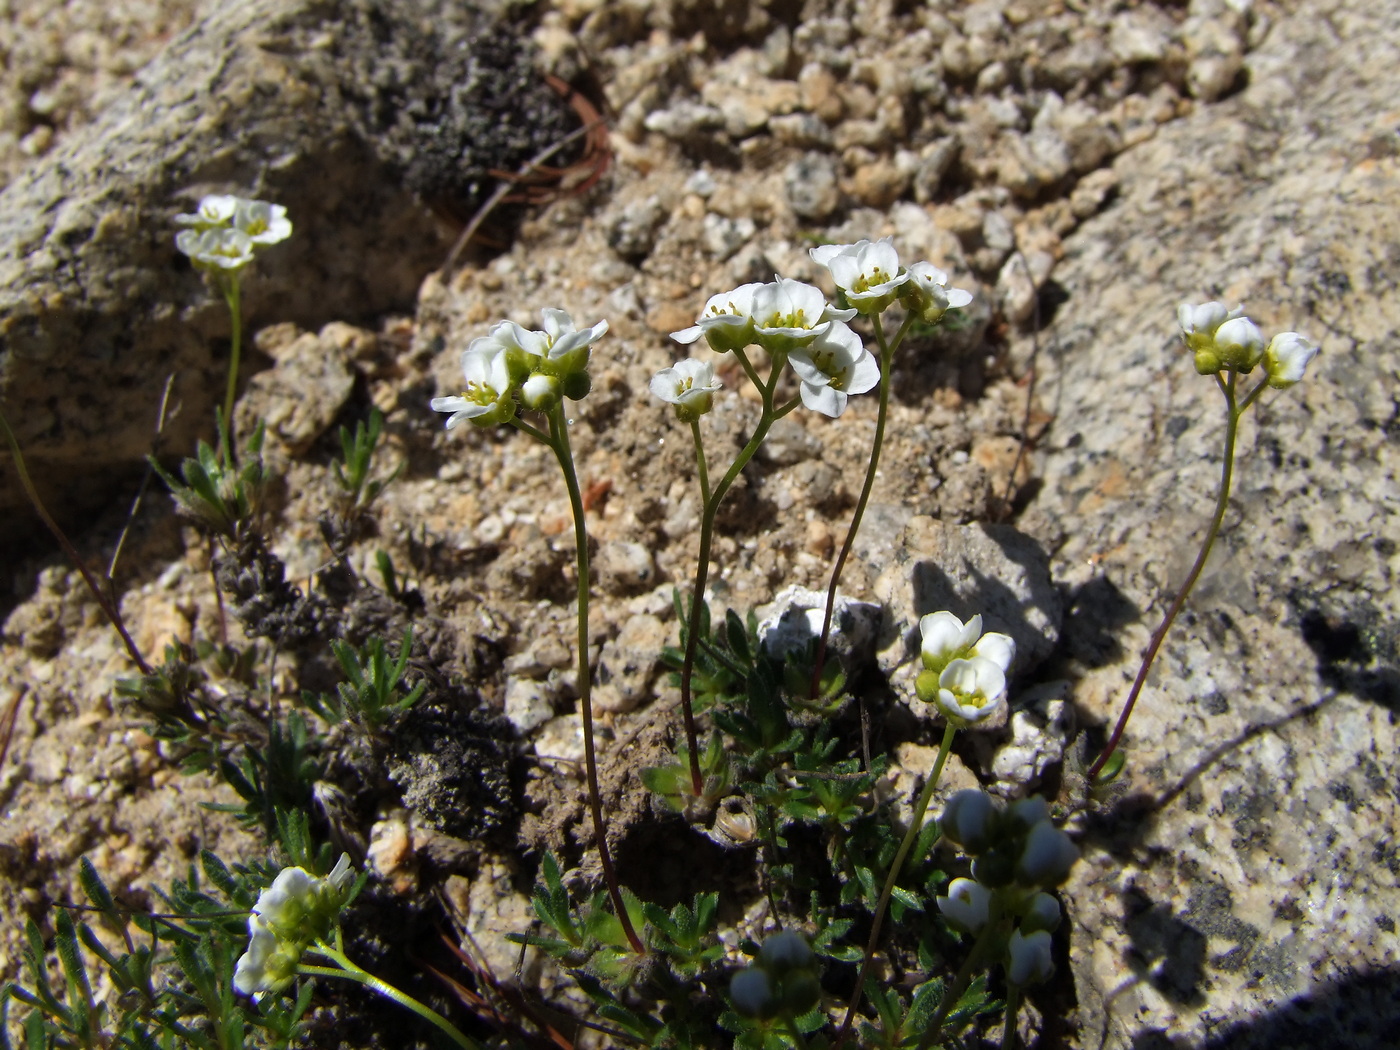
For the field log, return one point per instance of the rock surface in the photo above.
(1083, 167)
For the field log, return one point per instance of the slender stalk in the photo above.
(1222, 501)
(702, 568)
(886, 357)
(232, 295)
(107, 604)
(916, 823)
(559, 442)
(351, 972)
(1013, 1006)
(797, 1037)
(700, 466)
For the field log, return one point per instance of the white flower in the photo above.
(560, 349)
(726, 322)
(267, 965)
(1287, 357)
(833, 366)
(342, 876)
(945, 638)
(788, 314)
(216, 248)
(214, 210)
(690, 385)
(868, 272)
(970, 691)
(263, 222)
(926, 293)
(966, 818)
(1220, 337)
(287, 902)
(487, 398)
(1028, 959)
(966, 906)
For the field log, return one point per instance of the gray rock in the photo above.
(634, 226)
(789, 442)
(269, 98)
(300, 397)
(686, 121)
(725, 236)
(810, 185)
(1215, 55)
(993, 570)
(1234, 892)
(1040, 728)
(529, 704)
(794, 619)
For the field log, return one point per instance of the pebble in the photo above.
(625, 567)
(529, 704)
(629, 663)
(633, 227)
(1215, 57)
(809, 184)
(724, 236)
(686, 122)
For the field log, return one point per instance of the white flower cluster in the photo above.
(540, 366)
(794, 323)
(1222, 338)
(1019, 853)
(965, 670)
(224, 231)
(296, 910)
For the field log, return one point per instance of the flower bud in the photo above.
(1046, 857)
(966, 819)
(1028, 812)
(1028, 959)
(800, 992)
(784, 952)
(1042, 912)
(751, 993)
(541, 392)
(995, 868)
(1286, 358)
(577, 385)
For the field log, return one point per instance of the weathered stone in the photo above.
(265, 98)
(810, 184)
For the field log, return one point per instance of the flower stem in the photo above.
(351, 972)
(1222, 501)
(108, 606)
(916, 822)
(700, 466)
(559, 442)
(886, 357)
(232, 296)
(702, 572)
(1013, 1006)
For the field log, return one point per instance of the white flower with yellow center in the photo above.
(215, 210)
(1287, 357)
(788, 314)
(690, 385)
(263, 222)
(486, 399)
(726, 322)
(926, 293)
(216, 248)
(833, 366)
(867, 272)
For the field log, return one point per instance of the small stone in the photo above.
(561, 737)
(629, 663)
(810, 185)
(299, 399)
(1215, 57)
(1029, 164)
(529, 704)
(803, 130)
(686, 122)
(1092, 190)
(633, 227)
(879, 184)
(819, 541)
(794, 620)
(1038, 735)
(625, 567)
(1140, 35)
(725, 236)
(1016, 291)
(789, 442)
(1082, 62)
(817, 86)
(935, 160)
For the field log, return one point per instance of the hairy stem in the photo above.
(559, 442)
(886, 357)
(1222, 502)
(702, 569)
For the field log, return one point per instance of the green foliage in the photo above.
(372, 696)
(221, 496)
(353, 470)
(271, 780)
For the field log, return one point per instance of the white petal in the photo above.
(998, 648)
(824, 399)
(865, 374)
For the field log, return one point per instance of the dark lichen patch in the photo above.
(1168, 952)
(1208, 911)
(1252, 813)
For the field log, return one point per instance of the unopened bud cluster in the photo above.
(1223, 339)
(1018, 854)
(781, 982)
